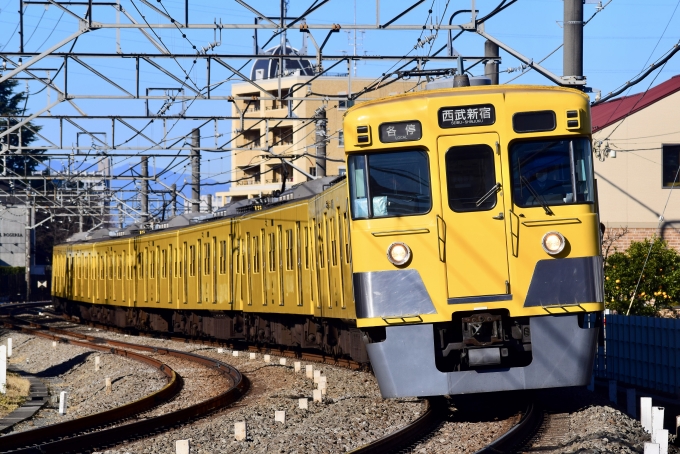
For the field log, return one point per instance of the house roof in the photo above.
(610, 112)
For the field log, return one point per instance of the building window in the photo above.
(283, 135)
(341, 138)
(342, 171)
(312, 171)
(251, 138)
(671, 163)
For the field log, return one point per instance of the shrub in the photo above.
(659, 285)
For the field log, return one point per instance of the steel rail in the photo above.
(137, 429)
(517, 436)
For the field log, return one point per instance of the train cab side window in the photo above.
(395, 183)
(471, 178)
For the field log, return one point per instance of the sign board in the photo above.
(402, 131)
(463, 116)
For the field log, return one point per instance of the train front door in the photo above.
(473, 210)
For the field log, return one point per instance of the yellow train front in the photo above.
(475, 239)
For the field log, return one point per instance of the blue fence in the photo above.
(641, 351)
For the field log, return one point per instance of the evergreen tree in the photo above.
(13, 104)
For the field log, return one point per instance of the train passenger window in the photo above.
(192, 260)
(256, 254)
(551, 172)
(334, 242)
(272, 252)
(223, 257)
(289, 249)
(396, 183)
(346, 231)
(306, 243)
(471, 178)
(206, 259)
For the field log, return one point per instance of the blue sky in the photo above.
(620, 41)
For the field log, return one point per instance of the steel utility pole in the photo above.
(573, 38)
(27, 245)
(320, 116)
(195, 171)
(491, 66)
(145, 190)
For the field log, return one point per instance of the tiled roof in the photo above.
(612, 111)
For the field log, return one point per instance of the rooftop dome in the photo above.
(268, 68)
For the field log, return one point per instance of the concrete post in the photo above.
(652, 448)
(220, 350)
(309, 370)
(182, 447)
(240, 431)
(303, 403)
(573, 38)
(316, 395)
(657, 421)
(646, 413)
(97, 360)
(195, 171)
(62, 402)
(317, 375)
(9, 347)
(320, 116)
(491, 67)
(234, 353)
(253, 355)
(3, 369)
(660, 437)
(144, 196)
(267, 358)
(173, 203)
(280, 416)
(282, 361)
(27, 242)
(296, 366)
(54, 344)
(108, 385)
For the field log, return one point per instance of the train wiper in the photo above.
(537, 196)
(492, 191)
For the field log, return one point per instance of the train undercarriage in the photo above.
(331, 336)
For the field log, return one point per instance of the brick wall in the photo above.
(620, 238)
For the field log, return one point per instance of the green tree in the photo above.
(12, 104)
(659, 282)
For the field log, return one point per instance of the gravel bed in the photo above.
(351, 414)
(71, 368)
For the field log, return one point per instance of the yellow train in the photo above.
(460, 255)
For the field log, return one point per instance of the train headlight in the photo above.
(553, 243)
(398, 253)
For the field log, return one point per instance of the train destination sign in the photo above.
(402, 131)
(462, 116)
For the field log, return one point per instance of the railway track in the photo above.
(521, 435)
(97, 431)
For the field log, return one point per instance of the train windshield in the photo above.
(396, 184)
(551, 172)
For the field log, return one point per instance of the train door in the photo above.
(288, 269)
(473, 210)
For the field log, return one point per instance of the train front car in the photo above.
(475, 239)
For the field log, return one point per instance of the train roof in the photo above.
(235, 209)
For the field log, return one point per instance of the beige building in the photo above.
(637, 141)
(259, 143)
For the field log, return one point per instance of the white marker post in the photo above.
(297, 365)
(652, 448)
(303, 403)
(54, 344)
(235, 353)
(9, 347)
(253, 355)
(267, 358)
(181, 446)
(657, 420)
(316, 395)
(97, 361)
(62, 402)
(280, 416)
(660, 437)
(109, 388)
(220, 350)
(240, 431)
(3, 369)
(309, 369)
(646, 413)
(317, 374)
(282, 361)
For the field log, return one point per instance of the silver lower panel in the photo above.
(563, 356)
